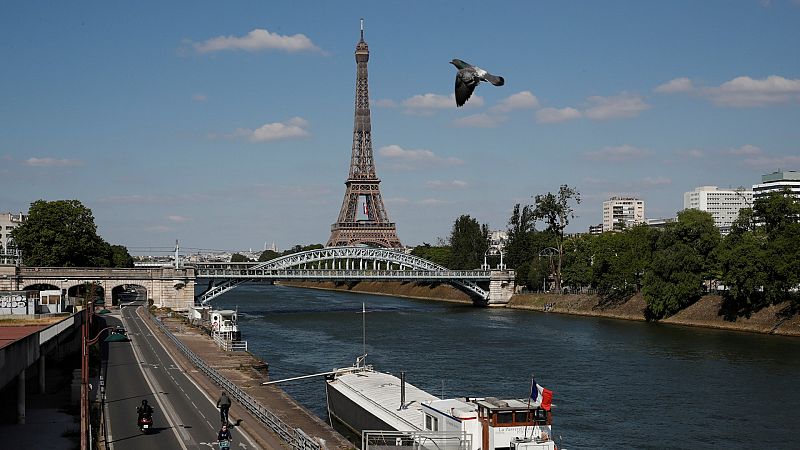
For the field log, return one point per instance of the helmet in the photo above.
(144, 402)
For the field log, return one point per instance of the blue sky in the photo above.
(229, 124)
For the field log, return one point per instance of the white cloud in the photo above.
(199, 97)
(296, 127)
(51, 162)
(619, 153)
(773, 162)
(178, 219)
(256, 40)
(615, 107)
(676, 85)
(655, 181)
(745, 91)
(520, 100)
(555, 115)
(402, 159)
(745, 150)
(384, 103)
(446, 185)
(428, 103)
(482, 120)
(693, 153)
(741, 91)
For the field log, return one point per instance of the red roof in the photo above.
(11, 334)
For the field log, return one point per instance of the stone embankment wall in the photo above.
(704, 313)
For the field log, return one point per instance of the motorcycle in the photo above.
(145, 423)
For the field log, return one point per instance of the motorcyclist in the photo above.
(144, 410)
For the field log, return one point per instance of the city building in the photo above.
(775, 181)
(498, 239)
(620, 213)
(662, 222)
(596, 229)
(723, 204)
(8, 221)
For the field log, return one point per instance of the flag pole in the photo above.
(530, 395)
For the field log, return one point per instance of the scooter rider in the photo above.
(144, 410)
(224, 437)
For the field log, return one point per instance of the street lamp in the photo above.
(549, 252)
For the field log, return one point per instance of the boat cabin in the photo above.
(224, 324)
(493, 423)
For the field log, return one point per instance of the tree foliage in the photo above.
(62, 233)
(436, 254)
(468, 243)
(681, 262)
(268, 255)
(238, 257)
(555, 210)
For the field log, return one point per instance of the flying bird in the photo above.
(467, 79)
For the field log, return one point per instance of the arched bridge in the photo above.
(354, 263)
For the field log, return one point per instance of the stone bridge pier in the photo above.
(501, 287)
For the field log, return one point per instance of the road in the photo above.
(185, 416)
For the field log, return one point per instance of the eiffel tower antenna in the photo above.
(373, 228)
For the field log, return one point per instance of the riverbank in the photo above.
(704, 313)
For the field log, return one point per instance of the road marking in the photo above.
(158, 399)
(199, 389)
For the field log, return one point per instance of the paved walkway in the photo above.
(242, 369)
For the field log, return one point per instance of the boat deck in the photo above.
(379, 393)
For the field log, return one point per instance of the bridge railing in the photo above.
(294, 437)
(343, 273)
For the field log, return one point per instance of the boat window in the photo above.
(431, 423)
(505, 417)
(522, 417)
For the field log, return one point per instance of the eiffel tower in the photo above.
(372, 227)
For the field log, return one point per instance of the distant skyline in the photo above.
(228, 125)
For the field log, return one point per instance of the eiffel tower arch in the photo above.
(370, 225)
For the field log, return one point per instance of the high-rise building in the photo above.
(620, 213)
(775, 181)
(8, 221)
(723, 204)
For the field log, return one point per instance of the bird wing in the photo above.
(463, 89)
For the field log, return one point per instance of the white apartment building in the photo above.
(620, 213)
(776, 181)
(8, 221)
(723, 204)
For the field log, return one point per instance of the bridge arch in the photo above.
(339, 258)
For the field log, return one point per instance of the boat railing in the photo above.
(223, 341)
(422, 440)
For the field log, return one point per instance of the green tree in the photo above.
(120, 256)
(436, 254)
(682, 260)
(577, 270)
(468, 243)
(268, 255)
(779, 215)
(555, 210)
(238, 257)
(61, 233)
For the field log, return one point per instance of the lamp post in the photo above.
(549, 252)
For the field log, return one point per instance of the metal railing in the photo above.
(295, 437)
(227, 344)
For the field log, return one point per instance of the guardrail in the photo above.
(295, 437)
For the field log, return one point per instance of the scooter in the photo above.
(145, 423)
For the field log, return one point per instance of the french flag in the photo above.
(541, 396)
(366, 209)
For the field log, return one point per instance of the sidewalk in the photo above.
(241, 369)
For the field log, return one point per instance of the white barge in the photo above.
(374, 403)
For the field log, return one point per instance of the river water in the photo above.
(616, 383)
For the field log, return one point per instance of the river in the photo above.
(616, 384)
